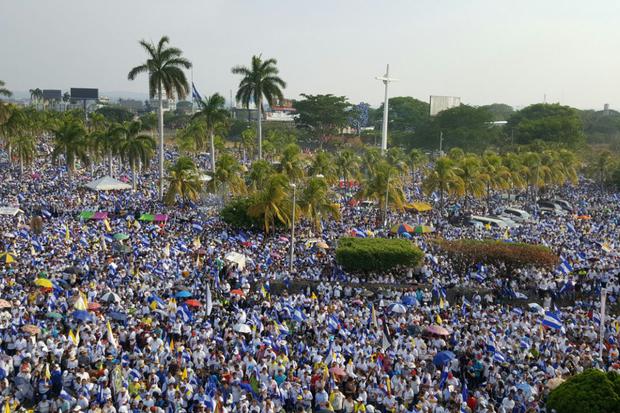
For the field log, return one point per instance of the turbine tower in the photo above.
(386, 80)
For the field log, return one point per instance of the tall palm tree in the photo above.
(443, 178)
(12, 123)
(603, 164)
(260, 172)
(69, 141)
(215, 116)
(183, 181)
(164, 66)
(316, 204)
(291, 163)
(229, 175)
(248, 143)
(259, 81)
(470, 171)
(370, 159)
(134, 147)
(323, 165)
(24, 147)
(105, 141)
(497, 175)
(4, 91)
(385, 186)
(534, 172)
(347, 165)
(397, 158)
(272, 203)
(417, 160)
(191, 137)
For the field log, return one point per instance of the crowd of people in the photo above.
(117, 312)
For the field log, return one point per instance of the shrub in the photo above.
(376, 254)
(512, 254)
(235, 214)
(592, 391)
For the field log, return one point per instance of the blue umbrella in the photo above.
(397, 308)
(118, 316)
(409, 300)
(183, 294)
(443, 357)
(81, 315)
(406, 235)
(527, 389)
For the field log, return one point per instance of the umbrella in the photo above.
(193, 303)
(238, 292)
(437, 330)
(183, 294)
(43, 282)
(118, 316)
(7, 257)
(401, 228)
(397, 308)
(94, 306)
(423, 229)
(55, 316)
(147, 217)
(4, 304)
(406, 235)
(161, 218)
(31, 329)
(554, 382)
(357, 302)
(81, 315)
(120, 236)
(242, 328)
(86, 215)
(409, 300)
(357, 233)
(535, 307)
(443, 357)
(111, 298)
(283, 239)
(527, 389)
(338, 371)
(322, 245)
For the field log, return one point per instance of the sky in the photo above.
(485, 51)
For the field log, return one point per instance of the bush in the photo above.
(235, 214)
(512, 254)
(592, 391)
(376, 254)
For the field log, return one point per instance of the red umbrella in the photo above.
(437, 330)
(238, 292)
(94, 306)
(337, 371)
(193, 303)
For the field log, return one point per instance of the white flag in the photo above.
(209, 302)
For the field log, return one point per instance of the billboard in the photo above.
(52, 94)
(441, 103)
(80, 93)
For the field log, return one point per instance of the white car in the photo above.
(516, 214)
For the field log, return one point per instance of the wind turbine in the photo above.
(386, 79)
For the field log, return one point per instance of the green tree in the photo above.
(499, 111)
(164, 66)
(115, 114)
(324, 165)
(417, 161)
(4, 91)
(592, 391)
(547, 122)
(215, 117)
(272, 203)
(444, 178)
(69, 141)
(347, 166)
(472, 174)
(248, 142)
(260, 172)
(292, 163)
(229, 175)
(325, 114)
(496, 175)
(384, 182)
(603, 167)
(184, 182)
(135, 147)
(316, 203)
(259, 81)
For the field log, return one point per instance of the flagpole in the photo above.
(602, 325)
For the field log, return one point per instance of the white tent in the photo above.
(107, 183)
(236, 258)
(10, 211)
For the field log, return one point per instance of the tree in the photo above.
(164, 66)
(36, 95)
(259, 81)
(272, 203)
(4, 91)
(291, 163)
(376, 254)
(443, 178)
(323, 165)
(603, 167)
(183, 182)
(215, 117)
(316, 204)
(347, 166)
(406, 114)
(229, 175)
(24, 147)
(547, 122)
(248, 142)
(134, 147)
(417, 160)
(383, 182)
(592, 391)
(497, 175)
(115, 114)
(260, 173)
(325, 114)
(69, 141)
(499, 111)
(472, 176)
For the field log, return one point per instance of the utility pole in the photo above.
(602, 325)
(440, 143)
(386, 81)
(293, 230)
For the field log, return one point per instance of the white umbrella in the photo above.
(536, 307)
(242, 328)
(107, 183)
(397, 308)
(111, 298)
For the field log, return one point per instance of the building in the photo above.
(283, 111)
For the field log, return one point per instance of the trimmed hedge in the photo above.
(511, 254)
(376, 254)
(592, 391)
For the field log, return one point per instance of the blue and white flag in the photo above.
(565, 267)
(499, 357)
(209, 304)
(551, 320)
(195, 94)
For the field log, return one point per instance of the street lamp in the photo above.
(293, 229)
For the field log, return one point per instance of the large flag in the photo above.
(209, 306)
(195, 94)
(565, 267)
(111, 338)
(75, 338)
(551, 320)
(386, 341)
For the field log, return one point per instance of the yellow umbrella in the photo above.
(7, 257)
(322, 244)
(43, 282)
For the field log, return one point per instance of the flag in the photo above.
(386, 341)
(7, 407)
(75, 339)
(444, 377)
(81, 304)
(517, 311)
(313, 296)
(107, 225)
(67, 234)
(571, 227)
(525, 342)
(438, 319)
(388, 385)
(171, 345)
(195, 94)
(184, 374)
(551, 320)
(499, 357)
(111, 338)
(209, 304)
(464, 392)
(565, 267)
(48, 375)
(506, 234)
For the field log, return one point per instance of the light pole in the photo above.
(293, 229)
(387, 195)
(602, 317)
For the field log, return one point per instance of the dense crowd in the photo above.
(123, 314)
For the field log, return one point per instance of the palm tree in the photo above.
(260, 172)
(272, 203)
(443, 178)
(191, 137)
(183, 181)
(259, 81)
(456, 154)
(215, 117)
(35, 95)
(347, 165)
(13, 122)
(69, 141)
(417, 159)
(470, 172)
(497, 175)
(384, 185)
(164, 66)
(248, 142)
(291, 163)
(229, 175)
(603, 167)
(370, 159)
(24, 147)
(323, 165)
(134, 147)
(534, 172)
(4, 91)
(315, 202)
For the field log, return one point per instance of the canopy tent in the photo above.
(419, 207)
(10, 211)
(153, 217)
(107, 183)
(236, 258)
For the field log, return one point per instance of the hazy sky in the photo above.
(481, 50)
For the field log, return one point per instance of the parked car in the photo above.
(511, 223)
(549, 207)
(493, 222)
(565, 205)
(516, 214)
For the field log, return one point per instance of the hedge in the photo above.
(592, 391)
(511, 254)
(235, 214)
(376, 254)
